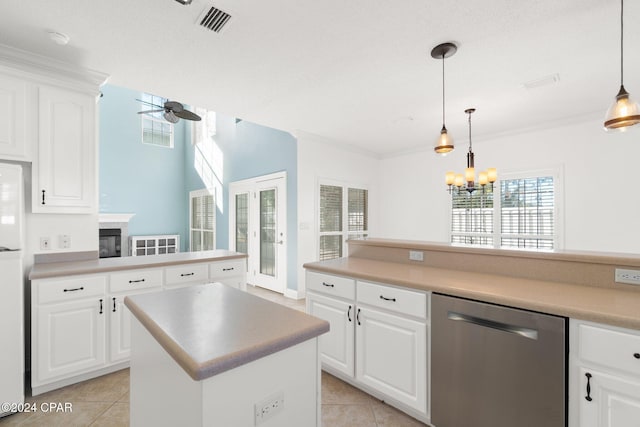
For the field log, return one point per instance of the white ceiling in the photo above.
(358, 72)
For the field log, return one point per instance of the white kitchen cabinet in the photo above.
(64, 170)
(186, 275)
(69, 321)
(377, 338)
(14, 137)
(336, 346)
(391, 356)
(605, 375)
(231, 272)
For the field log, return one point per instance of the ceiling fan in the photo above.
(173, 111)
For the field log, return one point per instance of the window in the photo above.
(521, 212)
(344, 214)
(155, 129)
(202, 220)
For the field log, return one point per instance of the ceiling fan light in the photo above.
(622, 113)
(170, 117)
(444, 143)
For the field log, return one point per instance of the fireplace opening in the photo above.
(110, 242)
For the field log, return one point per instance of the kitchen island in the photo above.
(213, 355)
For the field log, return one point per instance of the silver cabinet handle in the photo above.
(523, 332)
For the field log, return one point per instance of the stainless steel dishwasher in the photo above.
(495, 366)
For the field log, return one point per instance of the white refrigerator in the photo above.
(11, 287)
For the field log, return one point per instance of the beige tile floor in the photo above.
(104, 401)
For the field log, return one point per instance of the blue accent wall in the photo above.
(138, 178)
(154, 182)
(250, 150)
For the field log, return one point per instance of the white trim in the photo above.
(114, 217)
(292, 293)
(200, 193)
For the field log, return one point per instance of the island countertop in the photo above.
(101, 265)
(611, 306)
(209, 329)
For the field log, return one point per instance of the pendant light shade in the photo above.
(624, 112)
(444, 142)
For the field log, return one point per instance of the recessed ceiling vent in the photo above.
(543, 81)
(214, 19)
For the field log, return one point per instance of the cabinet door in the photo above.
(64, 176)
(391, 356)
(238, 282)
(13, 129)
(70, 339)
(615, 402)
(336, 346)
(119, 330)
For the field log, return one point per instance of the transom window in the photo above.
(155, 129)
(521, 212)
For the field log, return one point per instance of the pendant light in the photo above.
(467, 181)
(444, 142)
(624, 112)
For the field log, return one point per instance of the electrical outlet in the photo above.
(65, 241)
(631, 277)
(268, 407)
(416, 255)
(45, 243)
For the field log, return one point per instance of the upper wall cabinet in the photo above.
(48, 115)
(13, 125)
(64, 173)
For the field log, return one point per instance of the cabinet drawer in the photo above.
(229, 268)
(135, 279)
(188, 273)
(402, 301)
(610, 347)
(68, 289)
(331, 285)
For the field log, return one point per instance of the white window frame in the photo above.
(345, 234)
(195, 194)
(557, 173)
(155, 118)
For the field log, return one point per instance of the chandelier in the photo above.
(467, 181)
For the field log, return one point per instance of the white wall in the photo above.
(601, 202)
(318, 159)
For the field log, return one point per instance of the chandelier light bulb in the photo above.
(450, 178)
(483, 178)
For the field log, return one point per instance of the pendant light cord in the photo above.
(621, 43)
(443, 121)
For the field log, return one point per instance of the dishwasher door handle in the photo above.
(505, 327)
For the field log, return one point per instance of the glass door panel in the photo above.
(242, 223)
(268, 232)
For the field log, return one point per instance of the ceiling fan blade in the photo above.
(149, 103)
(150, 111)
(187, 115)
(173, 105)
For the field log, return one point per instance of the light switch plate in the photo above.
(416, 255)
(630, 277)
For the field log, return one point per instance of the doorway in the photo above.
(257, 227)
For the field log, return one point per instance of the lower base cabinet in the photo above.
(80, 327)
(391, 356)
(377, 338)
(605, 375)
(70, 338)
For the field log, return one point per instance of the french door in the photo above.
(258, 227)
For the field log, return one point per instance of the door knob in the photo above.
(281, 242)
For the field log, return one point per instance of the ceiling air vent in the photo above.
(214, 19)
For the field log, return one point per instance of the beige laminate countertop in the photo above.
(614, 307)
(102, 265)
(210, 329)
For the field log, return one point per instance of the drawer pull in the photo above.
(136, 281)
(81, 288)
(186, 274)
(43, 197)
(228, 269)
(588, 396)
(349, 314)
(328, 285)
(358, 317)
(114, 304)
(387, 299)
(636, 355)
(100, 306)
